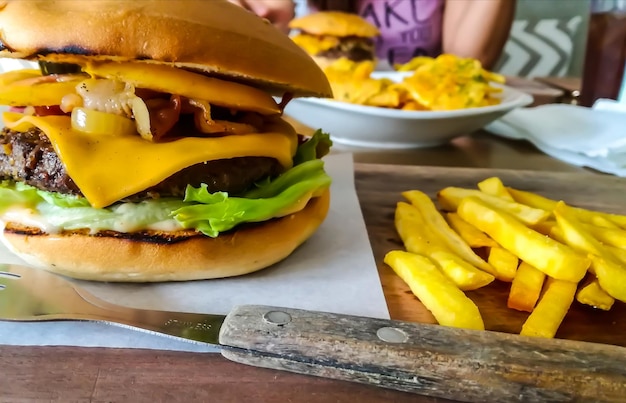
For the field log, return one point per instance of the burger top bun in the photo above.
(212, 36)
(334, 23)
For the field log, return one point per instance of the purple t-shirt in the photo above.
(408, 28)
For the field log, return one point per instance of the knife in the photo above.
(433, 360)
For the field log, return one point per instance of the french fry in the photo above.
(602, 222)
(593, 295)
(442, 83)
(557, 234)
(598, 218)
(419, 238)
(463, 274)
(504, 262)
(411, 226)
(439, 225)
(532, 199)
(474, 237)
(449, 305)
(609, 270)
(589, 217)
(553, 258)
(620, 254)
(494, 186)
(542, 246)
(572, 231)
(544, 227)
(547, 316)
(608, 261)
(610, 236)
(451, 82)
(526, 288)
(451, 197)
(611, 277)
(584, 215)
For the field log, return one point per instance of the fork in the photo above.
(432, 360)
(28, 294)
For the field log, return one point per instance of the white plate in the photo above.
(369, 126)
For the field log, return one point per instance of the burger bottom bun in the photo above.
(141, 259)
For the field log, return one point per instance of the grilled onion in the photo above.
(102, 123)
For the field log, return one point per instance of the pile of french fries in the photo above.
(550, 252)
(446, 82)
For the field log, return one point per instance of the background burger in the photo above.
(149, 146)
(330, 35)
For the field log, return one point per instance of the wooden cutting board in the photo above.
(379, 188)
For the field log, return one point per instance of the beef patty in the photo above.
(354, 48)
(30, 158)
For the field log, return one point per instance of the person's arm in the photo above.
(477, 28)
(278, 12)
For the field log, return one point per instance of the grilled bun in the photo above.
(334, 23)
(208, 36)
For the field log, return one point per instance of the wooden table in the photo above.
(64, 374)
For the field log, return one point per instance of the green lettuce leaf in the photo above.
(316, 147)
(9, 197)
(212, 213)
(123, 217)
(70, 212)
(57, 199)
(209, 213)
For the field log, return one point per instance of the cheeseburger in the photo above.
(331, 35)
(149, 145)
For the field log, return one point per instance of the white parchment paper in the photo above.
(334, 271)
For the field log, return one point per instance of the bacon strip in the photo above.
(163, 115)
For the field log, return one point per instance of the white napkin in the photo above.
(591, 137)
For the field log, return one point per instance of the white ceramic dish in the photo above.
(368, 126)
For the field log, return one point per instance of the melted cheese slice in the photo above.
(12, 76)
(36, 95)
(18, 89)
(109, 168)
(173, 80)
(315, 44)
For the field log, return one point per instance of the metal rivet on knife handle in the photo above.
(277, 318)
(392, 335)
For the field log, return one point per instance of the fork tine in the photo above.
(7, 269)
(9, 275)
(28, 293)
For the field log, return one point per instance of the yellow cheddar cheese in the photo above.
(12, 76)
(315, 44)
(109, 168)
(156, 77)
(173, 80)
(47, 94)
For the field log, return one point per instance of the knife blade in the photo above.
(433, 360)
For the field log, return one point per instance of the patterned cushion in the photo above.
(547, 39)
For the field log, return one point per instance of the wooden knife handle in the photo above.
(431, 360)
